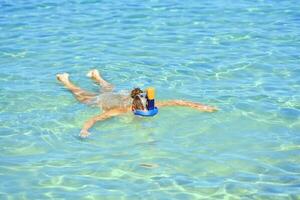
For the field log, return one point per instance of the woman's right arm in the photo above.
(90, 123)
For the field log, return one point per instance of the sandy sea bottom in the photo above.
(240, 56)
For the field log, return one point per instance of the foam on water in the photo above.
(240, 56)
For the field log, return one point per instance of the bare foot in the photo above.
(94, 74)
(63, 77)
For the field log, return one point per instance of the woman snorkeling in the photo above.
(114, 104)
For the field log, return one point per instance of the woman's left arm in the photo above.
(189, 104)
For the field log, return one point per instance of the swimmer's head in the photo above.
(139, 97)
(135, 92)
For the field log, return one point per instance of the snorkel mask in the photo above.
(143, 98)
(147, 100)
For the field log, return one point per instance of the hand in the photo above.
(84, 133)
(206, 108)
(212, 109)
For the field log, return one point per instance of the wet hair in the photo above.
(135, 92)
(136, 103)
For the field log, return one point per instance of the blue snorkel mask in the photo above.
(149, 108)
(143, 98)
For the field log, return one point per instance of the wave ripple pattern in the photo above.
(241, 56)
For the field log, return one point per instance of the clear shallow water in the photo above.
(240, 56)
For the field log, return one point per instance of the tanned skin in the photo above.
(85, 96)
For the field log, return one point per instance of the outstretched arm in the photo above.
(190, 104)
(89, 123)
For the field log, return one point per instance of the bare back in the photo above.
(112, 100)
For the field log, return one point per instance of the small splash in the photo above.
(16, 55)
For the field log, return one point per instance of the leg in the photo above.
(80, 94)
(95, 76)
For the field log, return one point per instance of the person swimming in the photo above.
(116, 103)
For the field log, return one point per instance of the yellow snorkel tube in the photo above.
(150, 98)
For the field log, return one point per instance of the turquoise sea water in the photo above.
(242, 56)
